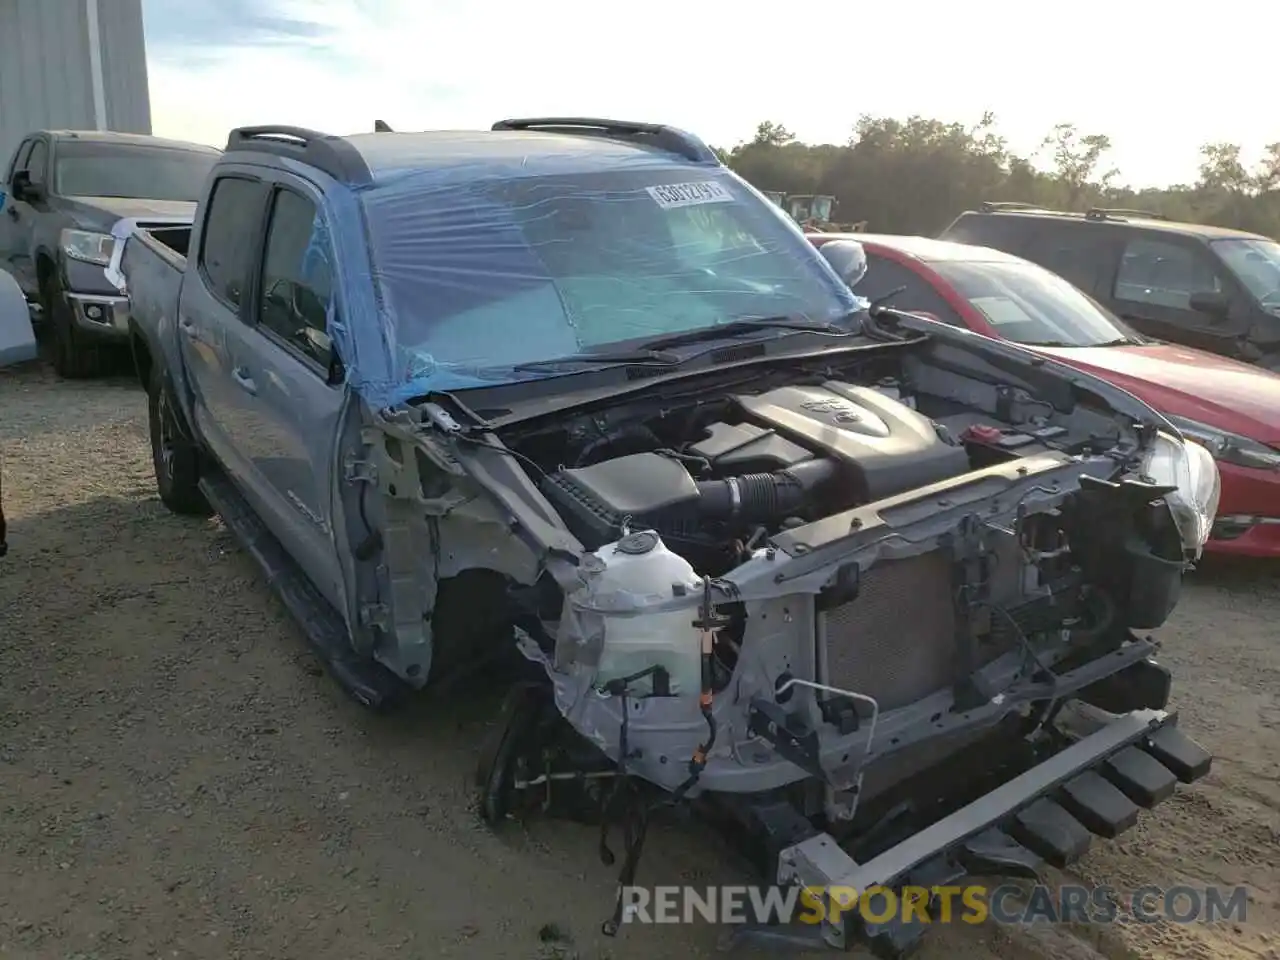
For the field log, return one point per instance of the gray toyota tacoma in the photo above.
(867, 592)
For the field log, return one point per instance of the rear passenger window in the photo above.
(297, 279)
(226, 248)
(1163, 274)
(884, 276)
(1080, 260)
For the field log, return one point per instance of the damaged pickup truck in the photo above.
(866, 590)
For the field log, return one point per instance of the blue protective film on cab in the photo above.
(484, 254)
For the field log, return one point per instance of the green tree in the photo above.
(1076, 158)
(914, 175)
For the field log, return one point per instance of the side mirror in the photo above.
(847, 258)
(1211, 302)
(321, 346)
(25, 190)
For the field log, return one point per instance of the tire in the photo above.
(1270, 362)
(73, 359)
(176, 458)
(512, 738)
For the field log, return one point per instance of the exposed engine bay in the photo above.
(973, 559)
(743, 469)
(807, 590)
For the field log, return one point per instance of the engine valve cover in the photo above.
(886, 447)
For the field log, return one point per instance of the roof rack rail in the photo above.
(991, 206)
(1106, 213)
(325, 152)
(659, 135)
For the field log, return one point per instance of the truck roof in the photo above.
(1118, 219)
(512, 148)
(135, 139)
(388, 154)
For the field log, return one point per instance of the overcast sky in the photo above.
(1159, 78)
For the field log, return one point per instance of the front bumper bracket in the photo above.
(1049, 813)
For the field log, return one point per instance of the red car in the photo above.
(1230, 407)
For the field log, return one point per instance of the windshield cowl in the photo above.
(1060, 344)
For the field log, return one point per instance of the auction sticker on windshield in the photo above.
(689, 194)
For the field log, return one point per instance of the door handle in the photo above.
(245, 382)
(13, 213)
(189, 328)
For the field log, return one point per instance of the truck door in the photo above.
(8, 212)
(212, 307)
(288, 406)
(17, 223)
(1154, 283)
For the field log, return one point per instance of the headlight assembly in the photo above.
(1190, 469)
(1229, 447)
(87, 246)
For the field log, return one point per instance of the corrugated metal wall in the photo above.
(45, 76)
(124, 65)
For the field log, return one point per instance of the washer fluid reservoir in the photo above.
(646, 597)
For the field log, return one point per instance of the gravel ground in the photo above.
(178, 778)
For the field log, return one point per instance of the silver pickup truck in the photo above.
(865, 590)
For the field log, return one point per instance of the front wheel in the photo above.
(176, 458)
(73, 359)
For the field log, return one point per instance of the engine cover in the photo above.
(886, 447)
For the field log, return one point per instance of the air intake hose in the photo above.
(765, 497)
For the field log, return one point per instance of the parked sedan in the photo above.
(1230, 407)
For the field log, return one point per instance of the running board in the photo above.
(1049, 814)
(370, 683)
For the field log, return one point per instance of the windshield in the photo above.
(487, 274)
(1256, 263)
(130, 171)
(1028, 304)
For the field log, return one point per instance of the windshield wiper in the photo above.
(737, 327)
(653, 352)
(1121, 342)
(650, 357)
(880, 303)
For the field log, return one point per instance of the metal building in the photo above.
(71, 65)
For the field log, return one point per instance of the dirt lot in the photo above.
(178, 779)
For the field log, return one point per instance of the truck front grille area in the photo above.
(895, 640)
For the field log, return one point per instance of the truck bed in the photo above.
(151, 264)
